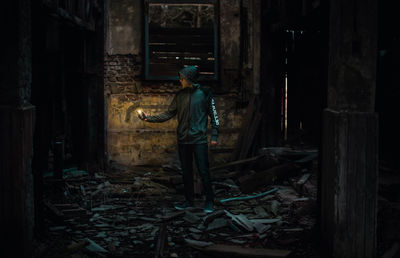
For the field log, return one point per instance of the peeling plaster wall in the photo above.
(133, 142)
(124, 27)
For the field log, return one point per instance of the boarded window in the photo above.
(177, 34)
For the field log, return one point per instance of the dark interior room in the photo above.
(199, 128)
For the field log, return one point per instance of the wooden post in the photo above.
(256, 37)
(16, 131)
(349, 183)
(16, 179)
(350, 134)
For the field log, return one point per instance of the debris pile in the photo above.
(264, 209)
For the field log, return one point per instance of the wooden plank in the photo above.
(251, 130)
(186, 58)
(74, 247)
(202, 55)
(166, 60)
(160, 69)
(244, 152)
(177, 38)
(166, 69)
(241, 198)
(183, 43)
(244, 252)
(181, 31)
(173, 215)
(180, 2)
(238, 162)
(266, 177)
(205, 65)
(161, 239)
(247, 120)
(182, 48)
(173, 68)
(182, 56)
(207, 219)
(54, 210)
(222, 174)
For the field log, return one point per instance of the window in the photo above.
(180, 33)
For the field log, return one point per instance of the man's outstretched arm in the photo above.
(171, 112)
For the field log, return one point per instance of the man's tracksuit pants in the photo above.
(200, 154)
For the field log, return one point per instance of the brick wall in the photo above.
(122, 74)
(131, 141)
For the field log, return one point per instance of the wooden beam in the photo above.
(235, 163)
(161, 239)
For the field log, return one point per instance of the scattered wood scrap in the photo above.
(235, 163)
(239, 198)
(242, 251)
(127, 217)
(173, 215)
(161, 240)
(76, 246)
(56, 212)
(266, 177)
(207, 219)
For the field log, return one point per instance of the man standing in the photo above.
(193, 104)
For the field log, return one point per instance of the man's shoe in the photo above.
(209, 207)
(184, 205)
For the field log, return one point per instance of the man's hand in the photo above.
(142, 115)
(213, 143)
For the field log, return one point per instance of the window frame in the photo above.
(149, 77)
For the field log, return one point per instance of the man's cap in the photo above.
(191, 73)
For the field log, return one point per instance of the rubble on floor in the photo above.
(130, 212)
